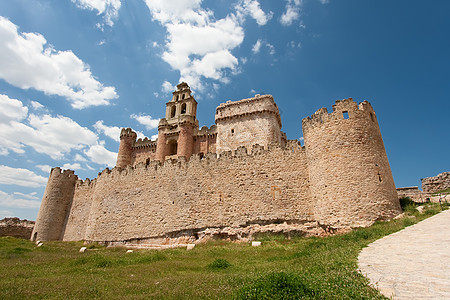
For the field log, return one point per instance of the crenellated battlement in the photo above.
(209, 160)
(145, 143)
(342, 110)
(205, 131)
(251, 106)
(127, 133)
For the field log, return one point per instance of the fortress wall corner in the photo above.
(55, 206)
(80, 211)
(350, 178)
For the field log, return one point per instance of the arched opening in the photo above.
(173, 111)
(182, 97)
(183, 108)
(173, 148)
(177, 97)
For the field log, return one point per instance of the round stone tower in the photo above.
(127, 140)
(350, 178)
(55, 206)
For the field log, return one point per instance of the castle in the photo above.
(239, 177)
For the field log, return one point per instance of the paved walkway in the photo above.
(413, 263)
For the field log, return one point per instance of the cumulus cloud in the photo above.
(167, 87)
(292, 12)
(100, 155)
(252, 9)
(44, 168)
(108, 8)
(22, 177)
(112, 132)
(197, 44)
(147, 121)
(26, 62)
(74, 166)
(256, 47)
(53, 136)
(17, 200)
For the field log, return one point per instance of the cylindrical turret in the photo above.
(161, 145)
(55, 206)
(127, 140)
(185, 140)
(350, 177)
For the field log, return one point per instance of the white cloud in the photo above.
(256, 47)
(100, 155)
(110, 8)
(292, 12)
(112, 132)
(26, 63)
(154, 137)
(324, 1)
(147, 121)
(271, 48)
(9, 200)
(31, 196)
(79, 157)
(167, 87)
(6, 214)
(36, 105)
(53, 136)
(252, 9)
(195, 39)
(44, 168)
(74, 166)
(22, 177)
(12, 109)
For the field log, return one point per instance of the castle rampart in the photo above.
(222, 180)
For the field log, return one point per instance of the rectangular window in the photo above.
(345, 114)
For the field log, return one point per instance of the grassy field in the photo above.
(298, 268)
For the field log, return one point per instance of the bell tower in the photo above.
(176, 130)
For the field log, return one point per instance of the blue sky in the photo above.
(73, 72)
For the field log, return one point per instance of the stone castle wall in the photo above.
(150, 201)
(436, 183)
(16, 228)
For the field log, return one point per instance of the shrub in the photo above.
(219, 264)
(406, 201)
(278, 285)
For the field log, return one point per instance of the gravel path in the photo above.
(413, 263)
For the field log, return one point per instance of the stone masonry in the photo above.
(436, 183)
(231, 180)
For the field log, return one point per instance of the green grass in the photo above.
(296, 268)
